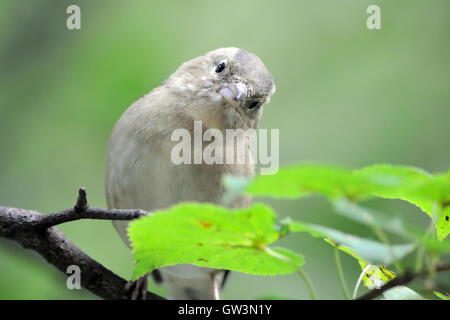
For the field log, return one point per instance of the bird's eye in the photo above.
(220, 67)
(253, 105)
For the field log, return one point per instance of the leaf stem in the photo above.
(422, 248)
(300, 271)
(337, 258)
(308, 282)
(358, 283)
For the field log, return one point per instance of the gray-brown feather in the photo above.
(140, 173)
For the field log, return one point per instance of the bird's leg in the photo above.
(138, 287)
(215, 286)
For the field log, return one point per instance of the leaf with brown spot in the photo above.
(211, 236)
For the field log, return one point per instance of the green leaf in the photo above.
(429, 192)
(301, 180)
(443, 224)
(206, 235)
(375, 275)
(379, 180)
(369, 217)
(394, 225)
(402, 293)
(373, 252)
(365, 251)
(396, 182)
(441, 295)
(406, 183)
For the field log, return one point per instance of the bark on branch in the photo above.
(36, 231)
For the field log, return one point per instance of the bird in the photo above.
(225, 89)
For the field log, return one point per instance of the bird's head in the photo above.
(226, 88)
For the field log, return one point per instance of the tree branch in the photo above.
(82, 210)
(36, 231)
(402, 280)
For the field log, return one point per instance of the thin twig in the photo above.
(35, 231)
(82, 210)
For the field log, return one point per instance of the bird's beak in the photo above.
(234, 91)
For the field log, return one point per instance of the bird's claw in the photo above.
(137, 288)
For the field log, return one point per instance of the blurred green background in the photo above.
(345, 95)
